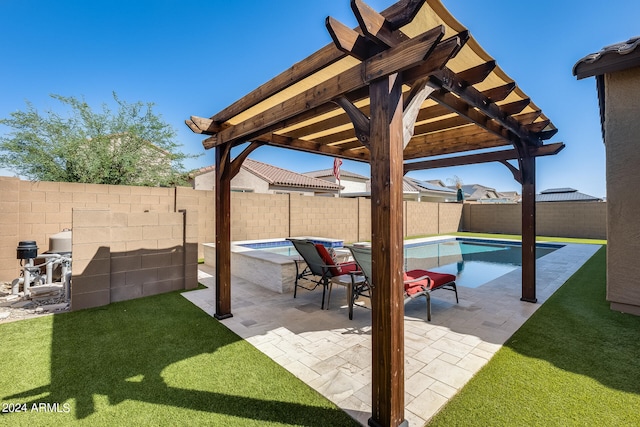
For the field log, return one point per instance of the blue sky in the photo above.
(197, 57)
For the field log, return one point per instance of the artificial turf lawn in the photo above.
(538, 238)
(574, 362)
(152, 361)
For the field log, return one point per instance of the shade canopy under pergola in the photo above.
(475, 106)
(408, 89)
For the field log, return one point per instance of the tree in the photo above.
(132, 146)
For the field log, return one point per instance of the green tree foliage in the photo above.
(131, 146)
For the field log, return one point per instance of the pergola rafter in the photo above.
(408, 84)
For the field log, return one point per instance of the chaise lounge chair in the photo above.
(416, 282)
(320, 267)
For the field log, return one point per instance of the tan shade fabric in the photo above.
(328, 129)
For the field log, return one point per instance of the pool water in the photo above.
(282, 250)
(473, 262)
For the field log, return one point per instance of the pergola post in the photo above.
(528, 171)
(387, 318)
(223, 232)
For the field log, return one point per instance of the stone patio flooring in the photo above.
(332, 354)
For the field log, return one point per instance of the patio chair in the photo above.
(416, 282)
(319, 269)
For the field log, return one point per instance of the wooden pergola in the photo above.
(407, 85)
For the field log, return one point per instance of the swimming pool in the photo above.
(285, 247)
(473, 261)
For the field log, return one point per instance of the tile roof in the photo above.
(616, 57)
(565, 195)
(329, 173)
(278, 176)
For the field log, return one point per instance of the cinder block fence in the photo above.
(147, 240)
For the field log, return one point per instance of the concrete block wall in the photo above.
(203, 203)
(421, 218)
(364, 219)
(577, 219)
(120, 256)
(45, 208)
(449, 217)
(91, 269)
(502, 219)
(258, 216)
(325, 217)
(559, 219)
(9, 227)
(36, 210)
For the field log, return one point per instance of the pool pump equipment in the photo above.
(46, 275)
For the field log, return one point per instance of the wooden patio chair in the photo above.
(319, 267)
(417, 283)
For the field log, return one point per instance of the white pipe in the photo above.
(15, 285)
(27, 276)
(49, 272)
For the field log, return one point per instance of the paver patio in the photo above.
(333, 354)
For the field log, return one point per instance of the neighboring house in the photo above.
(258, 177)
(427, 191)
(413, 189)
(511, 196)
(617, 72)
(482, 194)
(564, 195)
(351, 182)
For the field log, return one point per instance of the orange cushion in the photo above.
(334, 269)
(437, 279)
(415, 287)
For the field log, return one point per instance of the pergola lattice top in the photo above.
(474, 105)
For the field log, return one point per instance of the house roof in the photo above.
(564, 195)
(329, 173)
(412, 186)
(476, 191)
(616, 57)
(280, 177)
(422, 186)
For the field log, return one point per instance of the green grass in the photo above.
(515, 237)
(152, 361)
(574, 362)
(539, 238)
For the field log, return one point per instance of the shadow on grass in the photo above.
(576, 331)
(122, 351)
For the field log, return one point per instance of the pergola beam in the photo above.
(472, 159)
(400, 58)
(314, 147)
(448, 80)
(462, 108)
(424, 114)
(376, 27)
(398, 15)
